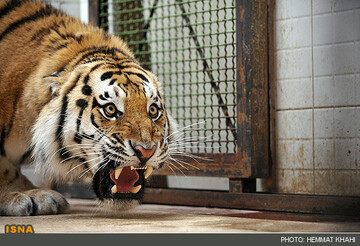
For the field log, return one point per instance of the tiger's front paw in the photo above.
(34, 202)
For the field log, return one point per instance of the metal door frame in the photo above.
(252, 159)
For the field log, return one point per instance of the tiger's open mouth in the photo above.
(121, 183)
(126, 179)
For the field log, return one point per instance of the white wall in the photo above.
(315, 95)
(75, 8)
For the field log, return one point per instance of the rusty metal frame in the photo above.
(311, 204)
(294, 203)
(94, 10)
(252, 157)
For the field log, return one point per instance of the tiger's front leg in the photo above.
(19, 197)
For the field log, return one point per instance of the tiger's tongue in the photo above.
(126, 180)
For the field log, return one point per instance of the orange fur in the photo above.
(54, 72)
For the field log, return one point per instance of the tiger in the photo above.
(77, 104)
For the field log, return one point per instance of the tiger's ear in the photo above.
(53, 81)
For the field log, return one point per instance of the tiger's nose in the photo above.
(142, 153)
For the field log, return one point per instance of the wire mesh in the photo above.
(190, 46)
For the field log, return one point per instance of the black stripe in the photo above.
(95, 103)
(85, 51)
(89, 51)
(158, 94)
(163, 152)
(82, 103)
(106, 75)
(64, 153)
(162, 142)
(62, 118)
(10, 6)
(116, 93)
(2, 141)
(101, 56)
(75, 83)
(114, 135)
(131, 82)
(90, 137)
(139, 75)
(59, 133)
(112, 82)
(84, 161)
(92, 117)
(116, 150)
(135, 66)
(59, 47)
(43, 12)
(78, 138)
(124, 87)
(86, 79)
(40, 34)
(86, 90)
(64, 42)
(46, 30)
(161, 164)
(102, 50)
(35, 207)
(95, 67)
(143, 90)
(26, 155)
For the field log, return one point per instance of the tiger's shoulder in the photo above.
(37, 42)
(44, 32)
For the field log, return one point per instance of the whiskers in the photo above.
(90, 153)
(179, 142)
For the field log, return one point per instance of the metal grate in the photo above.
(190, 46)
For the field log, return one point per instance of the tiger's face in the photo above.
(112, 126)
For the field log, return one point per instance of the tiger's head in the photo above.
(105, 121)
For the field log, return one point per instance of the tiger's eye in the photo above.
(153, 111)
(110, 110)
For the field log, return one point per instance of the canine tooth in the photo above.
(132, 168)
(118, 172)
(148, 172)
(135, 189)
(114, 189)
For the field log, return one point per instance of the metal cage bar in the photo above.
(237, 101)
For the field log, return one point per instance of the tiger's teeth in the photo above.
(132, 168)
(118, 172)
(148, 172)
(135, 189)
(114, 189)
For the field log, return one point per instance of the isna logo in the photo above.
(19, 229)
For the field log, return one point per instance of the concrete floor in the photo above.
(85, 217)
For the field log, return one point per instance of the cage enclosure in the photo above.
(211, 58)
